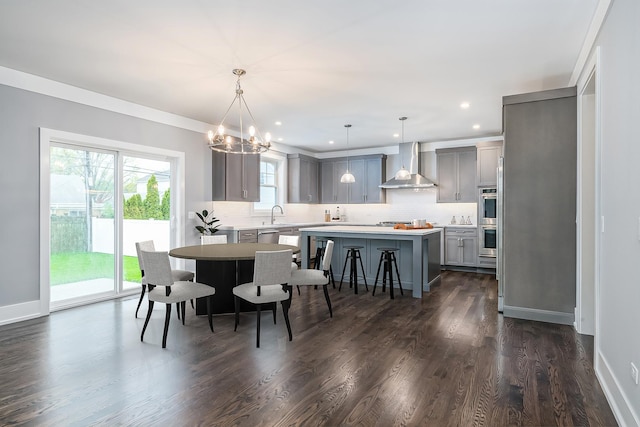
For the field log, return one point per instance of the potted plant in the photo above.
(207, 228)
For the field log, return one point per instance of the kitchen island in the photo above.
(418, 254)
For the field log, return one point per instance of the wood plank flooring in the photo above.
(447, 360)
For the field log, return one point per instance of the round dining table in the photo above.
(224, 266)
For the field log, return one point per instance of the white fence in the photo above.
(134, 230)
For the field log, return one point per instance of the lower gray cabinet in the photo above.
(461, 246)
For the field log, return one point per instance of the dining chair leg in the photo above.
(178, 308)
(326, 296)
(183, 306)
(274, 307)
(258, 325)
(236, 303)
(167, 318)
(146, 322)
(144, 289)
(192, 305)
(298, 290)
(209, 303)
(285, 310)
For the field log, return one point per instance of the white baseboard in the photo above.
(539, 315)
(618, 400)
(19, 312)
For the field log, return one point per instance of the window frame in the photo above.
(280, 162)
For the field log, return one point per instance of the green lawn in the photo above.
(75, 267)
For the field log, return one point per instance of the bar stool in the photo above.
(353, 253)
(317, 260)
(388, 259)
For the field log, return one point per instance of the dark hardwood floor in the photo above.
(448, 359)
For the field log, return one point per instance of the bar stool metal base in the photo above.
(353, 253)
(388, 260)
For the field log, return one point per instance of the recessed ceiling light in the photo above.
(396, 135)
(476, 126)
(331, 142)
(464, 105)
(280, 139)
(278, 123)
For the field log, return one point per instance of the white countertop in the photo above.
(372, 230)
(286, 225)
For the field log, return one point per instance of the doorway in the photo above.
(588, 238)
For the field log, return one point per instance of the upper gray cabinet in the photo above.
(456, 170)
(488, 154)
(303, 173)
(331, 189)
(235, 177)
(368, 171)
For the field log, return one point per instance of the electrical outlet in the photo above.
(634, 373)
(191, 215)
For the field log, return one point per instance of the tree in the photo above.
(152, 200)
(165, 206)
(134, 207)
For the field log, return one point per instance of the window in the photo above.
(271, 184)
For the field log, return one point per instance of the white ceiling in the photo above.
(313, 65)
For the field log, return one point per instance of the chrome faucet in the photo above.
(281, 211)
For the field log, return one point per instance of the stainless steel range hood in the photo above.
(409, 152)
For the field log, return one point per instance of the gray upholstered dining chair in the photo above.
(178, 275)
(271, 276)
(285, 239)
(308, 276)
(164, 289)
(213, 239)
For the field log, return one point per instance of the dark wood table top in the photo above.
(228, 251)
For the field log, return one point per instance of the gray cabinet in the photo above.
(369, 172)
(235, 177)
(540, 164)
(461, 246)
(247, 236)
(456, 170)
(332, 190)
(303, 172)
(488, 154)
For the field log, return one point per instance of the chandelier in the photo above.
(347, 177)
(225, 143)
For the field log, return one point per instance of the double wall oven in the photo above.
(487, 222)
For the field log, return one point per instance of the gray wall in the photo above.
(22, 114)
(617, 343)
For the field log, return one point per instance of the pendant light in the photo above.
(403, 174)
(347, 177)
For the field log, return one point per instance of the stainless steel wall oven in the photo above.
(487, 240)
(488, 206)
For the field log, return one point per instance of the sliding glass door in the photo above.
(83, 226)
(101, 202)
(146, 211)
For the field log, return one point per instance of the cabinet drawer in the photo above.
(248, 236)
(460, 232)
